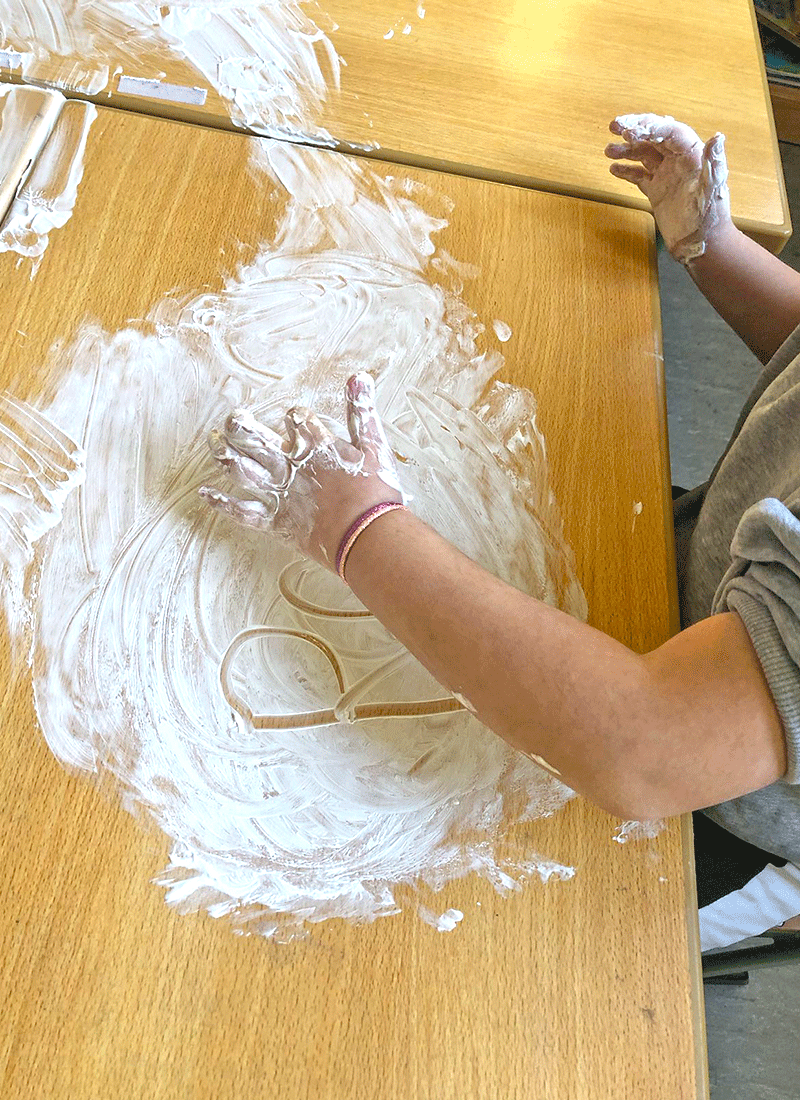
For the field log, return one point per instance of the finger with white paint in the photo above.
(366, 428)
(307, 430)
(248, 473)
(250, 513)
(676, 137)
(259, 442)
(306, 434)
(685, 181)
(714, 172)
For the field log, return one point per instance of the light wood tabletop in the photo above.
(515, 91)
(587, 988)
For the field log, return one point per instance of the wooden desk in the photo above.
(516, 91)
(586, 988)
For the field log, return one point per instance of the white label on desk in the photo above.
(155, 89)
(10, 59)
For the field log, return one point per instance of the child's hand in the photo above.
(685, 181)
(310, 487)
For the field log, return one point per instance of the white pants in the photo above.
(768, 899)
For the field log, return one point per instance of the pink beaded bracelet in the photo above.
(358, 528)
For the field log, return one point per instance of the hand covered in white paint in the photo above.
(310, 487)
(685, 181)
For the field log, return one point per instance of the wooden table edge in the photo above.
(663, 437)
(773, 237)
(694, 958)
(694, 961)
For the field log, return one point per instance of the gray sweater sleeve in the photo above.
(763, 586)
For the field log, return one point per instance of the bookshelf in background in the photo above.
(779, 26)
(782, 16)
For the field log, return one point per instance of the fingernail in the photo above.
(236, 420)
(362, 384)
(216, 443)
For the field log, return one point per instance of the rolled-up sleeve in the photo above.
(763, 586)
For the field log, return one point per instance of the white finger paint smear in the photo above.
(187, 657)
(27, 117)
(267, 59)
(447, 922)
(40, 467)
(638, 830)
(48, 193)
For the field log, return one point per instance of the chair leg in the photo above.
(742, 978)
(783, 948)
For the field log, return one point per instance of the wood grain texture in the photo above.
(522, 91)
(585, 989)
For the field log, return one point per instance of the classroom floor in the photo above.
(752, 1030)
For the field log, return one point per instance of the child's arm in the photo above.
(689, 725)
(686, 182)
(755, 292)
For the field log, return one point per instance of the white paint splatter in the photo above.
(40, 30)
(637, 511)
(502, 330)
(271, 63)
(638, 830)
(547, 869)
(192, 660)
(407, 29)
(446, 922)
(40, 467)
(389, 34)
